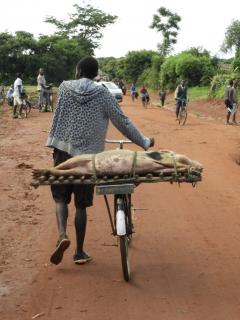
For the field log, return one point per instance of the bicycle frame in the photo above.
(182, 112)
(118, 190)
(121, 191)
(121, 218)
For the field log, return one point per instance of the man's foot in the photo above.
(229, 123)
(81, 258)
(15, 116)
(62, 245)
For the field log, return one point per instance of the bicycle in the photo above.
(121, 220)
(26, 109)
(182, 114)
(27, 104)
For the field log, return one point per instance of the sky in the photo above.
(203, 24)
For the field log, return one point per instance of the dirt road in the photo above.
(185, 255)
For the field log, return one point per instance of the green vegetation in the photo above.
(58, 53)
(195, 93)
(166, 22)
(206, 75)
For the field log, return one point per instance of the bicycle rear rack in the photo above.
(115, 189)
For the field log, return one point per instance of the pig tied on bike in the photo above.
(120, 165)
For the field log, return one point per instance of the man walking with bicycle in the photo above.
(17, 97)
(180, 96)
(79, 127)
(42, 91)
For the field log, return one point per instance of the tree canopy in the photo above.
(166, 22)
(232, 38)
(58, 53)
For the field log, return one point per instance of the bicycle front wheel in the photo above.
(51, 102)
(182, 117)
(27, 109)
(123, 240)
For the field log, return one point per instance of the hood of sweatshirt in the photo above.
(83, 90)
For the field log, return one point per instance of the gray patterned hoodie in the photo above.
(81, 119)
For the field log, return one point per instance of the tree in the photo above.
(166, 22)
(17, 54)
(58, 53)
(232, 39)
(136, 62)
(150, 76)
(85, 25)
(196, 70)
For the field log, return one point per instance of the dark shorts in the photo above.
(83, 194)
(228, 105)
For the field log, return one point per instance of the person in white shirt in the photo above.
(17, 96)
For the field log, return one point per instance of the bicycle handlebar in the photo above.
(118, 141)
(121, 142)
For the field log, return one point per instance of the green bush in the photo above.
(196, 70)
(168, 76)
(220, 82)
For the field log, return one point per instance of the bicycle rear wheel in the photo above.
(182, 116)
(123, 240)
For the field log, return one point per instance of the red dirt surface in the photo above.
(185, 256)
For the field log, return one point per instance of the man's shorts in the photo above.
(18, 101)
(228, 105)
(83, 194)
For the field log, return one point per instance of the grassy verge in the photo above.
(196, 93)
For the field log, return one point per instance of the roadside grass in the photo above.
(33, 93)
(198, 93)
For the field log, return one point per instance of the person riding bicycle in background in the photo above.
(133, 91)
(42, 90)
(79, 127)
(180, 96)
(144, 94)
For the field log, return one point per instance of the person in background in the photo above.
(17, 96)
(42, 91)
(227, 101)
(180, 96)
(133, 92)
(233, 96)
(9, 95)
(145, 95)
(80, 126)
(162, 96)
(122, 86)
